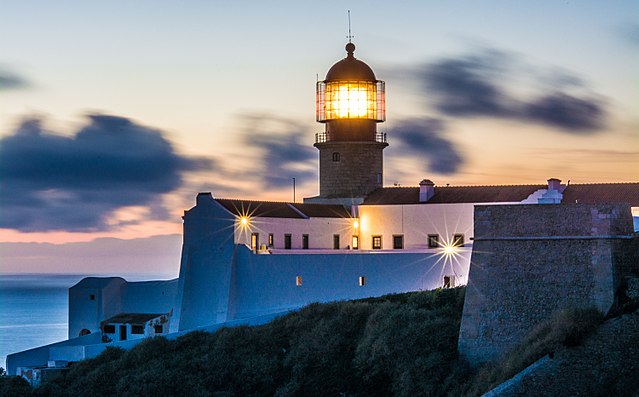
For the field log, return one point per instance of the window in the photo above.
(362, 281)
(305, 241)
(122, 332)
(270, 239)
(298, 281)
(84, 332)
(336, 156)
(355, 242)
(92, 297)
(109, 329)
(255, 241)
(433, 240)
(336, 241)
(157, 329)
(137, 329)
(377, 242)
(287, 241)
(458, 240)
(398, 241)
(449, 282)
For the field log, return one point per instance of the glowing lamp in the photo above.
(350, 100)
(449, 249)
(244, 221)
(350, 91)
(355, 224)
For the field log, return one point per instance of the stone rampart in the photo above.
(529, 261)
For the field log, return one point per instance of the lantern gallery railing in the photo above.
(351, 100)
(322, 137)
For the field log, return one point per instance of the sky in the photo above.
(113, 115)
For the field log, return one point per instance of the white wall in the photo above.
(320, 231)
(267, 283)
(415, 222)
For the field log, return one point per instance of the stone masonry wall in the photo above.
(356, 173)
(529, 261)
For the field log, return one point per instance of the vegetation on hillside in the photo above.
(395, 345)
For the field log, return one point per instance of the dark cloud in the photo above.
(467, 86)
(10, 81)
(423, 140)
(474, 86)
(566, 112)
(282, 151)
(53, 182)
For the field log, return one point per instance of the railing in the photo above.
(322, 137)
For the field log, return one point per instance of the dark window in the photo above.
(270, 239)
(433, 240)
(109, 329)
(158, 329)
(122, 332)
(458, 240)
(287, 241)
(398, 241)
(447, 283)
(91, 297)
(336, 156)
(255, 242)
(305, 241)
(85, 332)
(377, 242)
(362, 281)
(137, 329)
(336, 241)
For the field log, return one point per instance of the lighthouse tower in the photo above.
(350, 102)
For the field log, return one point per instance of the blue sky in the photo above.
(219, 96)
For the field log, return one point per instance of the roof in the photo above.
(350, 68)
(273, 209)
(453, 194)
(97, 282)
(323, 210)
(597, 193)
(132, 318)
(582, 193)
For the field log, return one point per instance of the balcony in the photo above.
(323, 137)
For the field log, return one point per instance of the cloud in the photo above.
(466, 86)
(566, 112)
(282, 152)
(423, 140)
(10, 81)
(473, 86)
(54, 182)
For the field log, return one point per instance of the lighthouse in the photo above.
(350, 103)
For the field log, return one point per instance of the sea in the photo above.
(34, 308)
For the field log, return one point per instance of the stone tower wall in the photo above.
(358, 172)
(529, 261)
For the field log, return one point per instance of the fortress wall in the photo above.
(529, 261)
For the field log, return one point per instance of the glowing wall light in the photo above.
(351, 100)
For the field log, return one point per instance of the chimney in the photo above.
(554, 184)
(553, 194)
(426, 190)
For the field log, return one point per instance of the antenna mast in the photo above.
(350, 36)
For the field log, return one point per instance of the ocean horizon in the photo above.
(35, 307)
